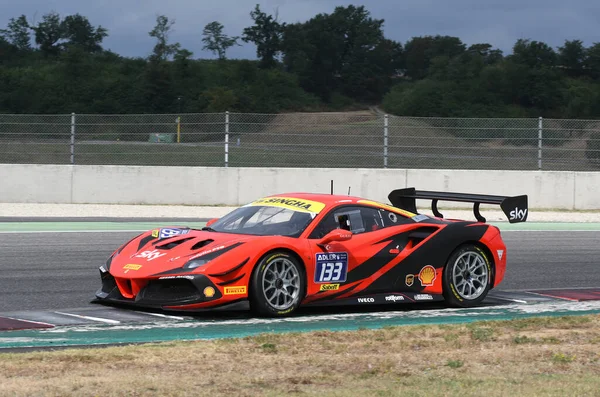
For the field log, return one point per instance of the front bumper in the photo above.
(159, 293)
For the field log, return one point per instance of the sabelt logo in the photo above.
(366, 300)
(237, 290)
(394, 298)
(517, 214)
(329, 287)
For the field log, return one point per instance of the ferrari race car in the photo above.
(281, 252)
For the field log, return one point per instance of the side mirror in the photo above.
(336, 235)
(211, 221)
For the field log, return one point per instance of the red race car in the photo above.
(281, 252)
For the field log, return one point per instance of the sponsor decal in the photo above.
(329, 287)
(420, 218)
(291, 203)
(150, 255)
(427, 276)
(394, 298)
(423, 297)
(176, 277)
(167, 232)
(237, 290)
(220, 247)
(286, 310)
(387, 207)
(131, 266)
(410, 279)
(500, 254)
(366, 300)
(331, 267)
(155, 233)
(209, 292)
(517, 214)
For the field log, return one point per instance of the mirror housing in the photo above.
(336, 235)
(211, 221)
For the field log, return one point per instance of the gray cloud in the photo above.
(497, 22)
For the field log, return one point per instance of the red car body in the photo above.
(349, 251)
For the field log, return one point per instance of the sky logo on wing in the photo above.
(518, 214)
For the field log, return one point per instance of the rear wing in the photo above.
(515, 208)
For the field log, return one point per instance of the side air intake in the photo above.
(201, 244)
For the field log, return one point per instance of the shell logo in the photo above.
(427, 276)
(209, 292)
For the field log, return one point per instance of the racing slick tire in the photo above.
(467, 276)
(278, 285)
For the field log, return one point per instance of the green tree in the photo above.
(162, 49)
(416, 57)
(534, 54)
(266, 34)
(78, 31)
(340, 51)
(48, 34)
(536, 82)
(592, 61)
(216, 41)
(18, 33)
(484, 50)
(572, 56)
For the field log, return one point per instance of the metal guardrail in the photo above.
(362, 139)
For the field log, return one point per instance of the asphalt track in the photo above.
(51, 271)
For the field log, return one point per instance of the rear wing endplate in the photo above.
(515, 207)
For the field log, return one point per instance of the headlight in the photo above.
(196, 263)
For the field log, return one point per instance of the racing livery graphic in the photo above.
(299, 249)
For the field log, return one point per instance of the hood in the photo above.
(165, 251)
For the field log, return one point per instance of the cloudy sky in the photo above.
(498, 22)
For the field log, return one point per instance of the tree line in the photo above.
(334, 61)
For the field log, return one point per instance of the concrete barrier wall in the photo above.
(235, 186)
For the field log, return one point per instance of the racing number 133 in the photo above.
(331, 267)
(331, 271)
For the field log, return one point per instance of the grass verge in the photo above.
(529, 357)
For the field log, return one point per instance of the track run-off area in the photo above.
(49, 274)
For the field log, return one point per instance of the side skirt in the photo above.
(379, 299)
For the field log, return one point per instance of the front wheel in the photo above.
(277, 285)
(467, 276)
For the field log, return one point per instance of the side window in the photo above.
(392, 219)
(357, 220)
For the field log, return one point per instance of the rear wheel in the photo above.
(278, 285)
(467, 276)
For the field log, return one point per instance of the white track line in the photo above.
(162, 315)
(102, 320)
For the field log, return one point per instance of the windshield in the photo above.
(264, 221)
